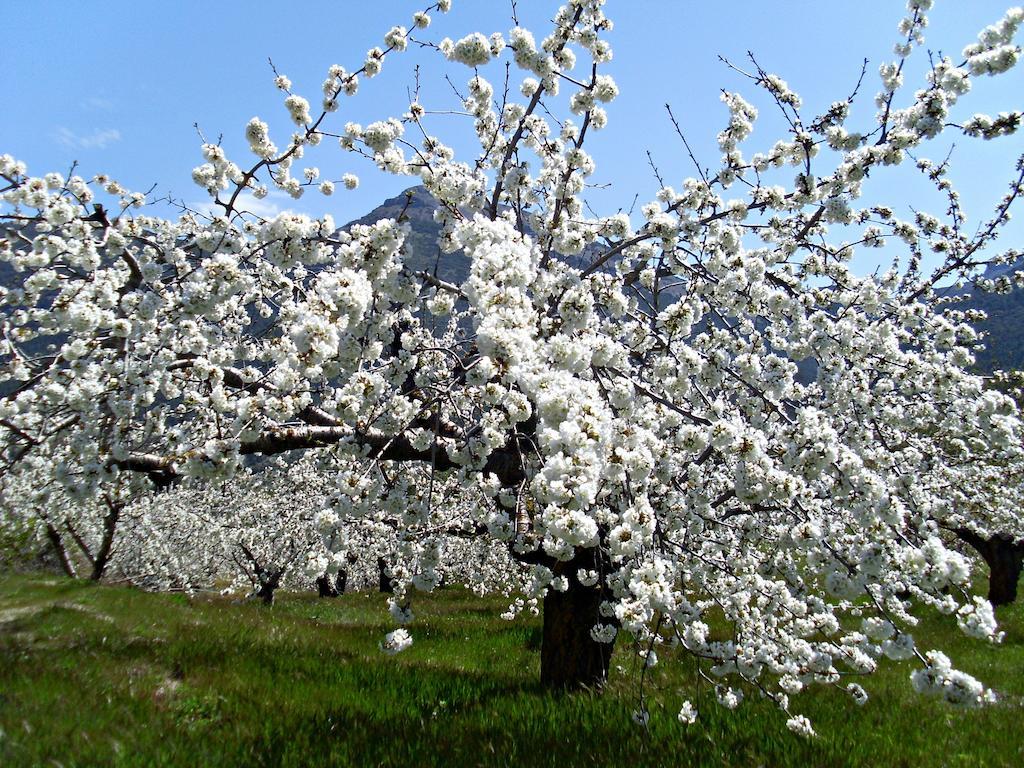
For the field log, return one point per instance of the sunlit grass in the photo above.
(94, 676)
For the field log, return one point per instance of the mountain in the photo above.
(1004, 326)
(1003, 329)
(423, 255)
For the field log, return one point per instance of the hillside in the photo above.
(424, 255)
(1004, 328)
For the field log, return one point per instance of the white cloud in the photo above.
(99, 139)
(97, 103)
(266, 208)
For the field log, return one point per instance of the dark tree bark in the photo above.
(81, 543)
(99, 563)
(570, 658)
(266, 593)
(325, 587)
(1005, 560)
(266, 578)
(269, 581)
(383, 577)
(62, 554)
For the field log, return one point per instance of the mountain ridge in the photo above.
(1003, 328)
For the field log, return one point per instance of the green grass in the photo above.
(110, 676)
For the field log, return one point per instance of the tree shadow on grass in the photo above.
(413, 714)
(465, 719)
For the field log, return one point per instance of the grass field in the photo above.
(110, 676)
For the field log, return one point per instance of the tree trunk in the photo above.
(1005, 560)
(384, 580)
(340, 582)
(269, 581)
(83, 547)
(1006, 564)
(325, 588)
(99, 564)
(266, 593)
(570, 658)
(62, 554)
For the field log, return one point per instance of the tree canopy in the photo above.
(695, 418)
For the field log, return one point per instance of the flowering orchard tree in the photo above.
(624, 393)
(270, 527)
(80, 531)
(985, 510)
(277, 526)
(255, 531)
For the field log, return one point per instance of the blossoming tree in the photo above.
(984, 512)
(625, 396)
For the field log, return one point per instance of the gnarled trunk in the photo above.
(341, 581)
(570, 658)
(269, 580)
(99, 564)
(1005, 560)
(324, 587)
(62, 554)
(383, 577)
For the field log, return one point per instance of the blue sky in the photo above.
(120, 92)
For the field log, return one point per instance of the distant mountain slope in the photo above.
(1004, 328)
(424, 255)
